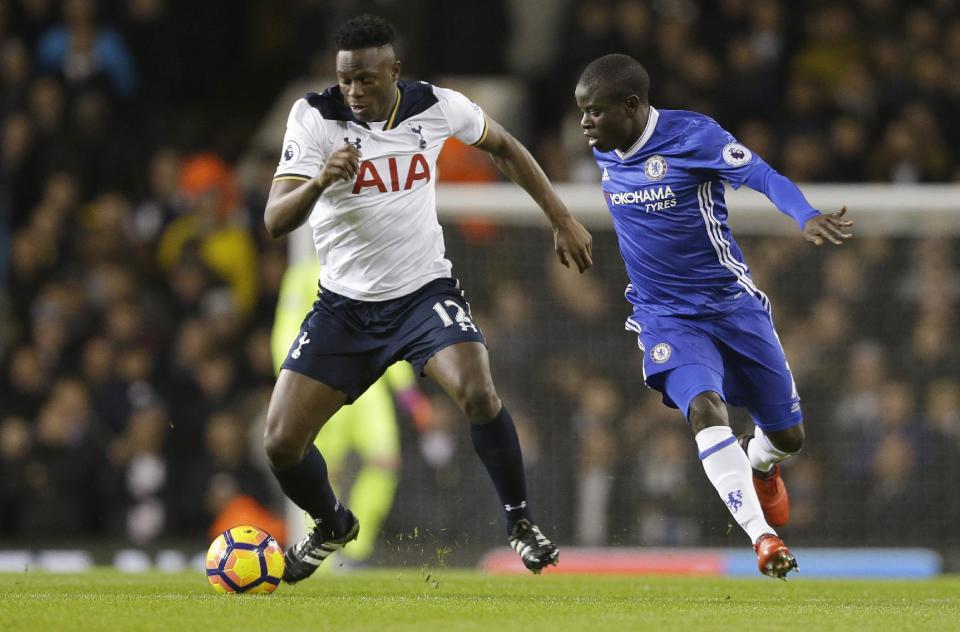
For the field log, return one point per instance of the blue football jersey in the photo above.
(666, 196)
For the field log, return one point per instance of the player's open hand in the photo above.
(343, 164)
(830, 227)
(571, 239)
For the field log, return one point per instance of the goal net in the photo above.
(869, 329)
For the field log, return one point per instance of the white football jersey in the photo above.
(377, 236)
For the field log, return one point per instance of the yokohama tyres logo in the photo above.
(642, 196)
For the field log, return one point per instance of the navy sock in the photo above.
(498, 447)
(308, 485)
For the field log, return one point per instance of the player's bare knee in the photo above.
(706, 410)
(482, 407)
(283, 451)
(790, 440)
(479, 401)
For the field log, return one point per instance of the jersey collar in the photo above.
(413, 97)
(644, 137)
(391, 121)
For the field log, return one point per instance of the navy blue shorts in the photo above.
(348, 344)
(736, 355)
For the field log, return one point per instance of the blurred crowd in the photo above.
(137, 284)
(831, 91)
(870, 333)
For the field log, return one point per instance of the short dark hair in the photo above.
(364, 31)
(620, 75)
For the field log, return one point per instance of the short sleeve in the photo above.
(467, 121)
(302, 155)
(719, 152)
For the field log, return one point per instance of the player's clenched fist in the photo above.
(341, 165)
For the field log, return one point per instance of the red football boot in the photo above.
(771, 491)
(773, 557)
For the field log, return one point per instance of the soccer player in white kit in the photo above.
(359, 162)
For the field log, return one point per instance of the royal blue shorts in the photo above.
(348, 344)
(737, 355)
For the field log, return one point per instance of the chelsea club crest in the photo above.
(661, 352)
(655, 167)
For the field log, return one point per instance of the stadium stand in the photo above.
(137, 284)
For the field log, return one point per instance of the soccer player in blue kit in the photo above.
(705, 328)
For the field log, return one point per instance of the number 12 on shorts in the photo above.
(461, 318)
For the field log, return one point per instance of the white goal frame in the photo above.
(891, 209)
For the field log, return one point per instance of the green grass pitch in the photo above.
(446, 599)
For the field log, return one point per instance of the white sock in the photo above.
(728, 469)
(762, 454)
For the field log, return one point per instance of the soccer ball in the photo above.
(244, 559)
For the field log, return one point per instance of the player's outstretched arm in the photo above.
(831, 227)
(513, 159)
(787, 197)
(290, 201)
